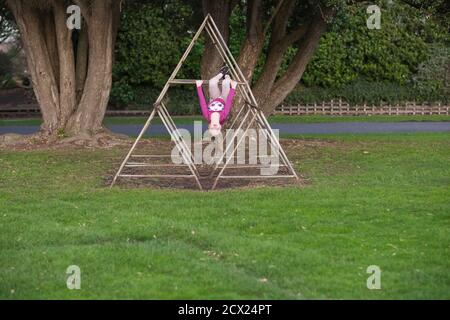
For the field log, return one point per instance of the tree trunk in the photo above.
(89, 115)
(251, 48)
(254, 40)
(278, 44)
(294, 73)
(71, 86)
(82, 53)
(51, 43)
(45, 88)
(67, 101)
(220, 10)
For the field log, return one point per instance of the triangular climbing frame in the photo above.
(248, 116)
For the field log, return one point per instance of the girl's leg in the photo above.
(214, 91)
(226, 85)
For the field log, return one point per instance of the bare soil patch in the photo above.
(294, 149)
(164, 147)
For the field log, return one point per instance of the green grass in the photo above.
(273, 119)
(370, 200)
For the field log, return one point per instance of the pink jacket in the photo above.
(207, 113)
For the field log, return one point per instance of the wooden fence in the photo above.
(342, 108)
(20, 111)
(333, 107)
(33, 111)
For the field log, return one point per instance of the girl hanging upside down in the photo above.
(219, 106)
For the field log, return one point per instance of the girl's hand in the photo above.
(199, 83)
(234, 84)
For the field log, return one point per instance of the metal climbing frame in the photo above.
(248, 116)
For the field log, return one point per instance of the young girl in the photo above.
(219, 106)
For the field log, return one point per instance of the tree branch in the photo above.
(274, 14)
(292, 76)
(281, 22)
(295, 35)
(254, 18)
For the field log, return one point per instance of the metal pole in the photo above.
(271, 137)
(191, 81)
(180, 149)
(280, 148)
(175, 129)
(234, 60)
(227, 59)
(234, 151)
(229, 145)
(144, 129)
(180, 63)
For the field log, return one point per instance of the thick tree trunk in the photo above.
(40, 67)
(67, 101)
(279, 43)
(89, 115)
(51, 43)
(82, 53)
(71, 86)
(220, 10)
(283, 86)
(254, 40)
(251, 48)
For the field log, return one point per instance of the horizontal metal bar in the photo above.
(256, 177)
(155, 176)
(257, 156)
(250, 166)
(152, 156)
(192, 81)
(136, 165)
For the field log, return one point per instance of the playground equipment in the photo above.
(248, 116)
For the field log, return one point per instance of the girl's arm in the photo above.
(229, 103)
(201, 97)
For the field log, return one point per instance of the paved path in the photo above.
(285, 128)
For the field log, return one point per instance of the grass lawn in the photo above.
(273, 119)
(370, 200)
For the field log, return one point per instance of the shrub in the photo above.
(150, 41)
(361, 92)
(432, 81)
(350, 50)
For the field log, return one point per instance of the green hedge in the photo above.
(150, 41)
(363, 92)
(179, 101)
